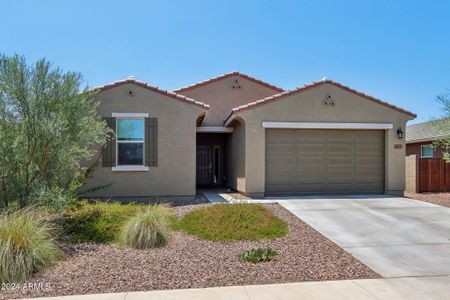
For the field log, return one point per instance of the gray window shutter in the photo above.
(109, 150)
(151, 142)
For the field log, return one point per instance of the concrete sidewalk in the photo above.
(433, 287)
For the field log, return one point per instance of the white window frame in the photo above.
(421, 151)
(127, 168)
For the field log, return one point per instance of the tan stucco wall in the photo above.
(411, 173)
(307, 107)
(175, 173)
(235, 157)
(222, 97)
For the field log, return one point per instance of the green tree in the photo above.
(48, 126)
(441, 127)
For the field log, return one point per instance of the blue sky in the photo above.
(398, 51)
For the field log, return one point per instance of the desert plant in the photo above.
(27, 244)
(48, 125)
(233, 222)
(98, 222)
(149, 228)
(258, 255)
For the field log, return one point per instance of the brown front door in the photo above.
(204, 165)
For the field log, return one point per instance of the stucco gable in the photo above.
(132, 80)
(225, 92)
(225, 76)
(307, 87)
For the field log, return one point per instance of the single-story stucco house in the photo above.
(239, 132)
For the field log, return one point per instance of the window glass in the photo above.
(130, 130)
(131, 154)
(427, 151)
(130, 142)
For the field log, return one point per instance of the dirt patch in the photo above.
(442, 199)
(187, 262)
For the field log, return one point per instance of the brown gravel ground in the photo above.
(187, 262)
(442, 199)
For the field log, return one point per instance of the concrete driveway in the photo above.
(394, 236)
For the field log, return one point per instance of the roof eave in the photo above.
(315, 84)
(145, 85)
(427, 139)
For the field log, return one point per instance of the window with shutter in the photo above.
(134, 145)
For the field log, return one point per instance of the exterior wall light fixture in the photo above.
(400, 133)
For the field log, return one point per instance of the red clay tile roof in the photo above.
(312, 85)
(154, 89)
(226, 75)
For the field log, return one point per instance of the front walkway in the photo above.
(435, 288)
(394, 236)
(214, 195)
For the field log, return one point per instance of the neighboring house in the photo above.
(420, 138)
(426, 171)
(240, 132)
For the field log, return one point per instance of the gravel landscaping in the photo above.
(187, 262)
(442, 199)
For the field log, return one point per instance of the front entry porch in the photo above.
(210, 170)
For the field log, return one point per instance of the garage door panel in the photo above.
(314, 187)
(324, 161)
(314, 178)
(340, 187)
(315, 162)
(337, 161)
(340, 149)
(309, 136)
(314, 149)
(369, 162)
(369, 151)
(281, 177)
(282, 188)
(368, 188)
(340, 177)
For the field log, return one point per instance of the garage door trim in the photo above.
(318, 125)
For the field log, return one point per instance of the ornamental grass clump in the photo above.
(149, 228)
(27, 245)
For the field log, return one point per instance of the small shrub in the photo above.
(149, 228)
(258, 255)
(98, 222)
(231, 222)
(26, 245)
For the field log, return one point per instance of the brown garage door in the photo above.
(303, 161)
